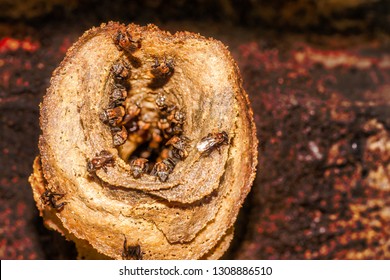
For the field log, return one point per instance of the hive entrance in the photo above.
(146, 126)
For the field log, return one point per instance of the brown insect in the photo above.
(211, 142)
(179, 117)
(121, 70)
(112, 116)
(177, 129)
(101, 160)
(133, 110)
(119, 135)
(179, 154)
(179, 144)
(118, 96)
(50, 198)
(161, 101)
(163, 168)
(166, 109)
(124, 41)
(131, 252)
(138, 167)
(162, 69)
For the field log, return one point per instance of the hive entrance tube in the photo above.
(149, 139)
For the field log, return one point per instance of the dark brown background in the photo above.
(318, 76)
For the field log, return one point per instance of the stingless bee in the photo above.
(180, 145)
(162, 69)
(101, 160)
(131, 252)
(138, 167)
(161, 101)
(50, 198)
(163, 168)
(179, 116)
(119, 135)
(118, 96)
(112, 116)
(121, 70)
(177, 129)
(134, 109)
(179, 154)
(127, 42)
(178, 142)
(211, 142)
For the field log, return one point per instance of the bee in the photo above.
(179, 144)
(138, 167)
(112, 116)
(165, 107)
(50, 198)
(118, 96)
(163, 168)
(179, 154)
(101, 160)
(125, 41)
(121, 70)
(162, 69)
(161, 101)
(179, 116)
(119, 135)
(177, 129)
(211, 142)
(133, 110)
(131, 252)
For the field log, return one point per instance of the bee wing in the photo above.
(206, 145)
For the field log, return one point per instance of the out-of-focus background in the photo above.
(318, 76)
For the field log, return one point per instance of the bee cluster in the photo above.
(150, 123)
